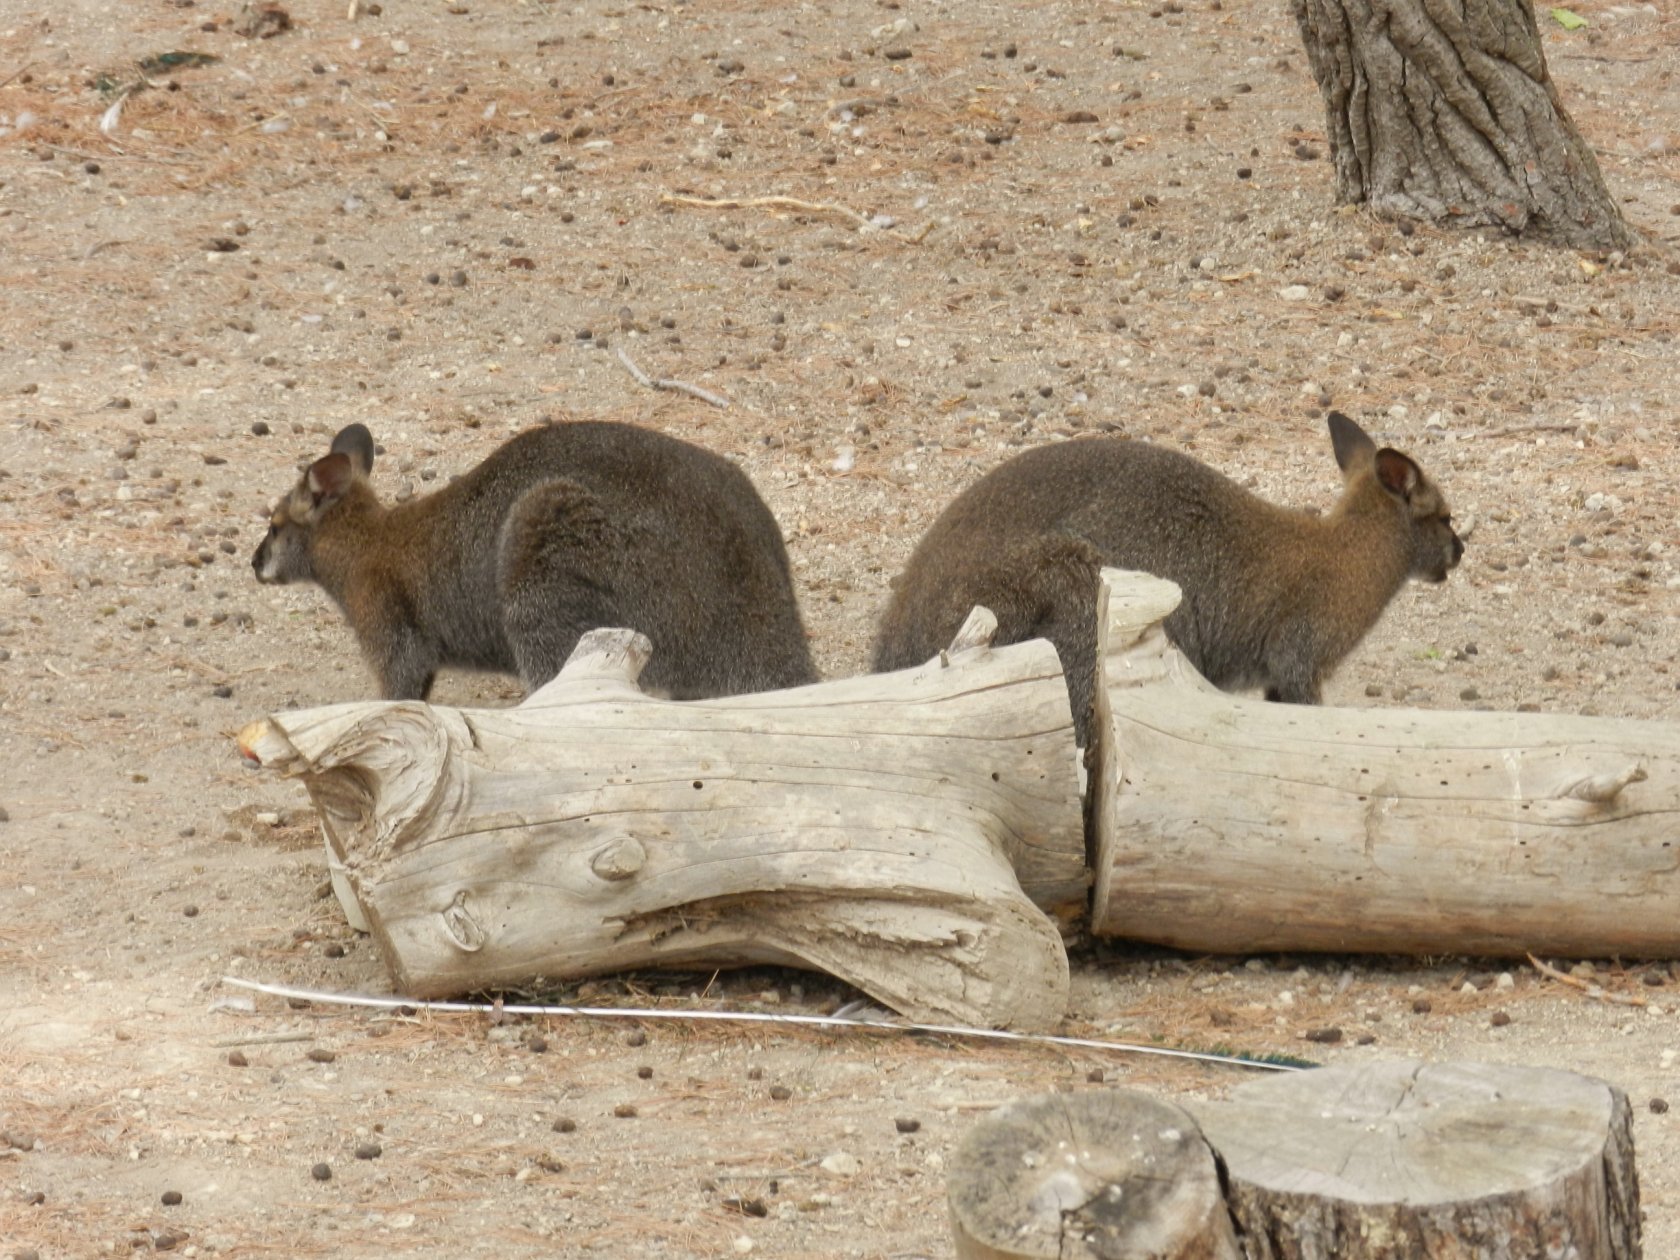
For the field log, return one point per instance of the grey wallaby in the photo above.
(1273, 597)
(563, 529)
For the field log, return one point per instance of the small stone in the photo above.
(565, 1124)
(636, 1038)
(755, 1074)
(458, 279)
(1422, 1006)
(907, 1124)
(222, 691)
(1325, 1036)
(781, 1093)
(369, 1150)
(1469, 693)
(1621, 639)
(625, 1111)
(171, 1198)
(260, 428)
(1095, 1076)
(1295, 293)
(236, 1058)
(645, 1072)
(190, 911)
(1373, 689)
(896, 53)
(1652, 979)
(1499, 1019)
(537, 1045)
(840, 1164)
(1658, 1106)
(332, 949)
(321, 1172)
(320, 1055)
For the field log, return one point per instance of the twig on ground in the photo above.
(1586, 986)
(793, 204)
(1270, 1063)
(642, 378)
(269, 1039)
(1517, 430)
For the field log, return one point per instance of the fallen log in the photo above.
(1227, 824)
(1100, 1175)
(1411, 1161)
(881, 829)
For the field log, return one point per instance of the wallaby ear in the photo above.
(355, 441)
(328, 478)
(1397, 473)
(1351, 443)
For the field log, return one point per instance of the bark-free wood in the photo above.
(866, 827)
(1446, 113)
(1412, 1161)
(1229, 824)
(1100, 1175)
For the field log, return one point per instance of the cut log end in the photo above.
(1394, 1160)
(1081, 1176)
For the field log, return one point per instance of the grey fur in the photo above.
(1273, 598)
(563, 529)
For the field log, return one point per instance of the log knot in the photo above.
(1602, 789)
(461, 927)
(620, 859)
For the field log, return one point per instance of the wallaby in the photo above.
(563, 529)
(1273, 597)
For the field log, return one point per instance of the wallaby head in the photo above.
(286, 552)
(1434, 548)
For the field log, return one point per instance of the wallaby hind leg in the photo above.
(555, 571)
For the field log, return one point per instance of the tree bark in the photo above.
(874, 828)
(1445, 112)
(1228, 824)
(1099, 1175)
(1412, 1161)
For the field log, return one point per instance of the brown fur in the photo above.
(564, 529)
(1273, 598)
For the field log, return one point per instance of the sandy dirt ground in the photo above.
(446, 222)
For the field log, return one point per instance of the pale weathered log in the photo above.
(866, 827)
(1412, 1161)
(1100, 1175)
(1228, 824)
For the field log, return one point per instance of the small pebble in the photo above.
(645, 1072)
(171, 1198)
(1325, 1036)
(565, 1124)
(755, 1074)
(1422, 1006)
(260, 428)
(907, 1124)
(333, 949)
(781, 1093)
(319, 1055)
(190, 911)
(1095, 1076)
(1659, 1106)
(636, 1038)
(222, 691)
(625, 1111)
(236, 1058)
(369, 1150)
(537, 1045)
(898, 53)
(321, 1172)
(1499, 1019)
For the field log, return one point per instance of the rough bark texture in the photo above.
(1228, 824)
(1446, 112)
(874, 828)
(1408, 1161)
(1101, 1175)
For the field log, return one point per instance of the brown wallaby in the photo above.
(563, 529)
(1273, 597)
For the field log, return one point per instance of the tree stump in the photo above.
(881, 828)
(1412, 1161)
(1228, 824)
(1446, 113)
(1100, 1175)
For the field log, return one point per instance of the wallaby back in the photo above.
(563, 529)
(1273, 598)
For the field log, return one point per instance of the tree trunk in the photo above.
(1228, 824)
(1445, 112)
(1099, 1175)
(871, 827)
(1408, 1161)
